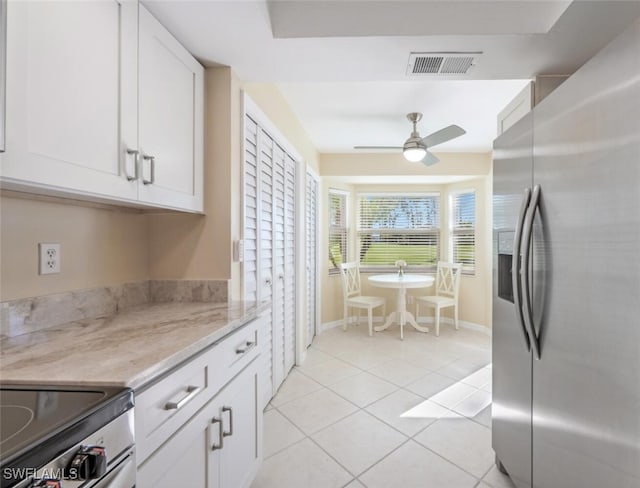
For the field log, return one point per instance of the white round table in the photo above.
(401, 282)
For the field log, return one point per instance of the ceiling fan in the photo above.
(416, 148)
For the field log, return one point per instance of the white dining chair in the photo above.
(352, 295)
(447, 290)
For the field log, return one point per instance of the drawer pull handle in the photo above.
(247, 345)
(192, 391)
(230, 410)
(220, 444)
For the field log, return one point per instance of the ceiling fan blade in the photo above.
(430, 159)
(398, 148)
(443, 135)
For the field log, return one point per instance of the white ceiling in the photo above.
(341, 65)
(338, 116)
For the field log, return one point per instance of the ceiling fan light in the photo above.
(414, 154)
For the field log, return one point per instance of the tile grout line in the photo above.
(408, 438)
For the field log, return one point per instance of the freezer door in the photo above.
(586, 389)
(511, 409)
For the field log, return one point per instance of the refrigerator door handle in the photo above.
(516, 268)
(526, 265)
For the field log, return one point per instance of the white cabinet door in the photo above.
(241, 413)
(72, 96)
(220, 447)
(170, 119)
(184, 460)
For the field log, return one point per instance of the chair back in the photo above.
(448, 279)
(350, 279)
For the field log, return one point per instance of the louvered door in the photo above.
(289, 263)
(250, 257)
(312, 262)
(265, 245)
(270, 246)
(278, 304)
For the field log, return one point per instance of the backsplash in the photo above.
(163, 291)
(27, 315)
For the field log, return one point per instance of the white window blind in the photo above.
(463, 229)
(399, 226)
(337, 229)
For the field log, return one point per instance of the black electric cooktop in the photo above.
(38, 423)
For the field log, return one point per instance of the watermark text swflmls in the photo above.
(22, 473)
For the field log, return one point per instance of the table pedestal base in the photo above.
(401, 315)
(401, 318)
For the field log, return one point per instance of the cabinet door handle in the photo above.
(247, 345)
(230, 410)
(152, 167)
(135, 153)
(192, 391)
(220, 444)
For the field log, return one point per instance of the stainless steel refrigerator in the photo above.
(566, 287)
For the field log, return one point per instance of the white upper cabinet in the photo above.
(170, 118)
(78, 113)
(71, 95)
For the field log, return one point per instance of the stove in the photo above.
(66, 437)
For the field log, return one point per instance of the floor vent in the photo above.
(445, 63)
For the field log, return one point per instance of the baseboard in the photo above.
(352, 321)
(420, 320)
(461, 323)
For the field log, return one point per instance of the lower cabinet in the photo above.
(220, 447)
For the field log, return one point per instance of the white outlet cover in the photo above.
(49, 262)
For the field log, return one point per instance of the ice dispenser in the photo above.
(505, 262)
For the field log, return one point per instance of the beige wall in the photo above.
(393, 165)
(475, 291)
(183, 246)
(100, 245)
(201, 247)
(270, 100)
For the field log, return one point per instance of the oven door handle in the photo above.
(123, 475)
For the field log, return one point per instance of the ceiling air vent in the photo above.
(444, 63)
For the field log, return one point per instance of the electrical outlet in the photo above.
(49, 258)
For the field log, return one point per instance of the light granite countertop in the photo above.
(126, 349)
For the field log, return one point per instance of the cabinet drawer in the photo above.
(233, 354)
(168, 404)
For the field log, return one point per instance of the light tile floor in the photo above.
(380, 412)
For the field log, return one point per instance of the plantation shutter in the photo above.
(337, 229)
(399, 226)
(463, 229)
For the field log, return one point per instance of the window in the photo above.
(337, 229)
(463, 229)
(399, 226)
